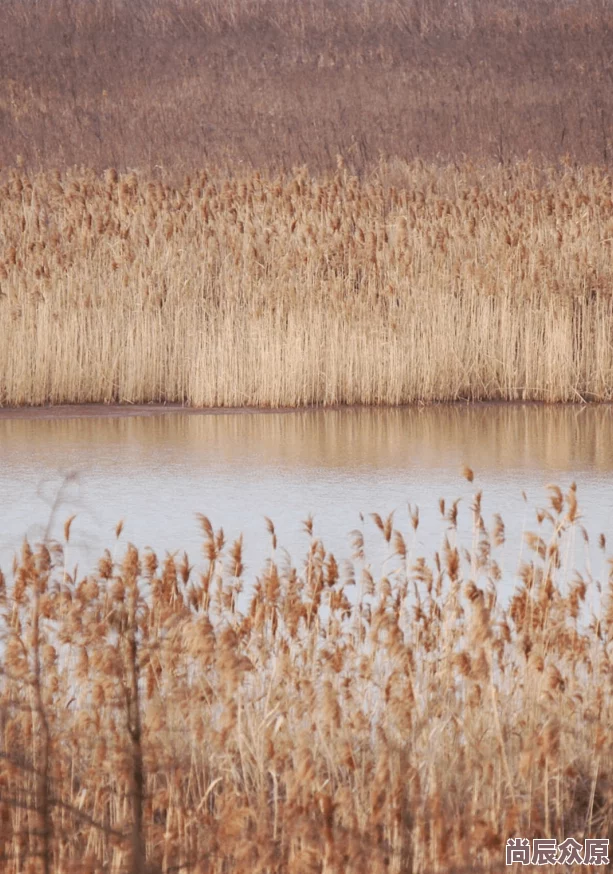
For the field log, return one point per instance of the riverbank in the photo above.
(121, 411)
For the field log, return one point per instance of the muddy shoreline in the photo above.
(106, 411)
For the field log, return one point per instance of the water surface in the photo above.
(157, 472)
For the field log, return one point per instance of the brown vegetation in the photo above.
(278, 83)
(416, 283)
(461, 251)
(156, 718)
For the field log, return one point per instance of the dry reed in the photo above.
(319, 719)
(262, 83)
(418, 283)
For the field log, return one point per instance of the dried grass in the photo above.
(418, 283)
(410, 723)
(179, 83)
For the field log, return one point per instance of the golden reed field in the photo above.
(462, 252)
(324, 719)
(273, 203)
(416, 282)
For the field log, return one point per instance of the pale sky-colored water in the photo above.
(157, 472)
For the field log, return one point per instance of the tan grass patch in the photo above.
(417, 284)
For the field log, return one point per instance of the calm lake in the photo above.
(156, 472)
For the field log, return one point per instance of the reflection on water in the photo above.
(157, 471)
(519, 436)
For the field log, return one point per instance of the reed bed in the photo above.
(157, 717)
(417, 283)
(142, 83)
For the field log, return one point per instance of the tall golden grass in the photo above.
(418, 283)
(317, 719)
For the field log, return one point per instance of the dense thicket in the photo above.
(181, 83)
